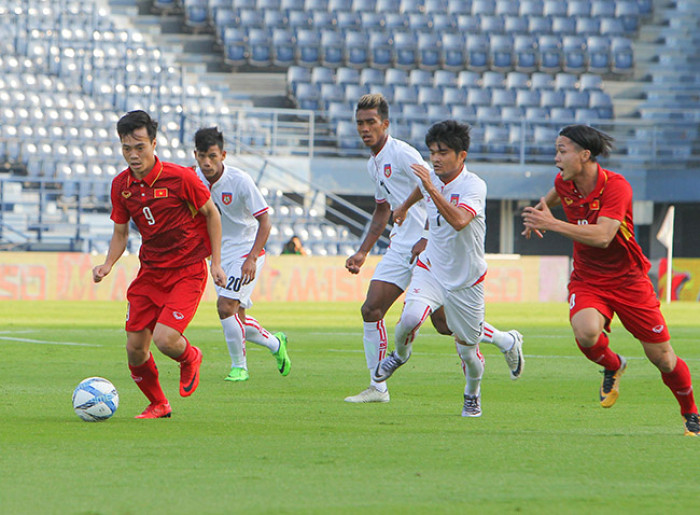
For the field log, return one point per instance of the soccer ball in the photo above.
(95, 399)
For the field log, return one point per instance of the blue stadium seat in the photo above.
(387, 90)
(454, 51)
(468, 24)
(340, 5)
(361, 6)
(235, 46)
(554, 8)
(331, 93)
(371, 76)
(452, 96)
(477, 51)
(540, 81)
(468, 79)
(458, 7)
(517, 80)
(598, 48)
(396, 77)
(496, 138)
(442, 22)
(299, 20)
(429, 95)
(563, 115)
(576, 99)
(291, 5)
(346, 135)
(586, 115)
(282, 50)
(308, 48)
(196, 13)
(380, 49)
(602, 103)
(274, 19)
(463, 112)
(250, 19)
(356, 50)
(590, 82)
(346, 20)
(539, 25)
(501, 51)
(574, 51)
(611, 27)
(332, 48)
(536, 113)
(388, 6)
(493, 24)
(315, 5)
(531, 7)
(586, 26)
(405, 50)
(406, 95)
(551, 99)
(603, 9)
(322, 75)
(512, 113)
(444, 78)
(483, 7)
(565, 81)
(395, 21)
(412, 6)
(622, 55)
(259, 48)
(562, 25)
(515, 25)
(417, 135)
(579, 8)
(493, 79)
(419, 22)
(543, 138)
(479, 97)
(526, 52)
(353, 92)
(549, 47)
(345, 75)
(527, 98)
(269, 4)
(323, 20)
(413, 113)
(627, 11)
(508, 7)
(436, 6)
(438, 112)
(308, 96)
(371, 20)
(502, 97)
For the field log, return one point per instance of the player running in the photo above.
(245, 226)
(180, 226)
(389, 166)
(610, 270)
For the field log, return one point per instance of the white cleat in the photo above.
(371, 394)
(514, 356)
(472, 406)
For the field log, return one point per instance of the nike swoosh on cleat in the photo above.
(189, 386)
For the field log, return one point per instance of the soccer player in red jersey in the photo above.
(180, 227)
(610, 270)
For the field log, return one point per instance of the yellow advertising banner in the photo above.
(68, 276)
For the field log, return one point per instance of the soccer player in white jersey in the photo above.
(451, 270)
(389, 166)
(245, 228)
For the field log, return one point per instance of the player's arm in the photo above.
(599, 234)
(211, 214)
(551, 199)
(456, 216)
(117, 246)
(249, 268)
(400, 212)
(380, 217)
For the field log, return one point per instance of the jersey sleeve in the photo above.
(193, 190)
(616, 199)
(410, 156)
(473, 197)
(254, 200)
(120, 215)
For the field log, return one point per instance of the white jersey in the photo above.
(394, 181)
(239, 201)
(456, 258)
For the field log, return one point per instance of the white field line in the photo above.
(45, 342)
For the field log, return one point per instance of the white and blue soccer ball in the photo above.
(95, 399)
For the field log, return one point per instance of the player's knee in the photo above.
(586, 337)
(227, 307)
(371, 313)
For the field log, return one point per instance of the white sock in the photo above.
(256, 333)
(235, 341)
(375, 342)
(504, 341)
(473, 367)
(412, 318)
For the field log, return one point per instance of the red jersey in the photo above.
(611, 198)
(164, 207)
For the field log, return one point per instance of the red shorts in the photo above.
(635, 304)
(166, 295)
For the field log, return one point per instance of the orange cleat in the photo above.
(158, 410)
(189, 374)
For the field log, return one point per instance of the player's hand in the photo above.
(100, 272)
(417, 248)
(422, 173)
(537, 219)
(248, 269)
(217, 273)
(355, 262)
(399, 214)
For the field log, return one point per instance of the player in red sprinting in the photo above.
(610, 270)
(180, 227)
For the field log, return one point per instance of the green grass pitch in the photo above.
(291, 445)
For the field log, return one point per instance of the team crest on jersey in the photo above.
(227, 198)
(595, 205)
(387, 170)
(126, 194)
(160, 193)
(658, 329)
(454, 199)
(177, 315)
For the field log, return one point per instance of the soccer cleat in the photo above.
(284, 364)
(156, 410)
(237, 374)
(514, 356)
(472, 406)
(386, 367)
(692, 424)
(189, 374)
(371, 394)
(609, 390)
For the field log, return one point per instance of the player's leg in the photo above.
(464, 312)
(234, 334)
(145, 374)
(275, 343)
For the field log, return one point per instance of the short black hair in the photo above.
(596, 142)
(134, 120)
(207, 137)
(451, 133)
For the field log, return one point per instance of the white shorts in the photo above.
(233, 289)
(464, 308)
(395, 268)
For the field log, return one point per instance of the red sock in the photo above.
(681, 386)
(188, 354)
(146, 378)
(601, 354)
